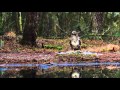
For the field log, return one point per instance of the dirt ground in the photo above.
(13, 52)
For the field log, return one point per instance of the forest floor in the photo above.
(13, 52)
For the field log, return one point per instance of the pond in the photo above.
(96, 68)
(64, 70)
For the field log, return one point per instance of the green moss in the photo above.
(53, 47)
(84, 45)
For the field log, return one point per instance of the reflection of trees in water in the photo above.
(20, 73)
(61, 72)
(30, 73)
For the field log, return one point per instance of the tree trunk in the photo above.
(15, 18)
(0, 20)
(30, 30)
(98, 22)
(46, 30)
(20, 21)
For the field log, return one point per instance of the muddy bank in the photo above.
(90, 56)
(110, 57)
(43, 58)
(26, 57)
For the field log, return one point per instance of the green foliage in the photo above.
(1, 32)
(84, 45)
(53, 47)
(2, 73)
(117, 34)
(1, 43)
(60, 24)
(117, 74)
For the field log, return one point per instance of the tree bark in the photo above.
(98, 22)
(30, 30)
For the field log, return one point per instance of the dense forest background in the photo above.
(92, 25)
